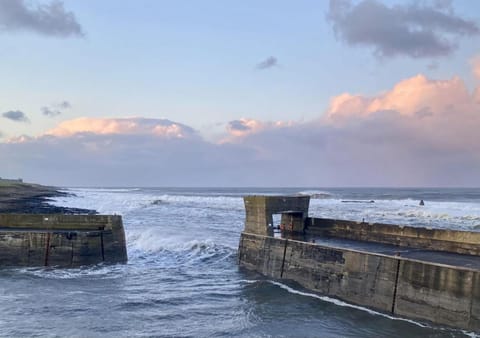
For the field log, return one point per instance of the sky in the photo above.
(248, 93)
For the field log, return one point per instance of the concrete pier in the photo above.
(424, 274)
(61, 240)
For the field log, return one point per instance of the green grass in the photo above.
(8, 184)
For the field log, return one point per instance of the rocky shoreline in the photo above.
(26, 198)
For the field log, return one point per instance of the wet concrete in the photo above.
(430, 256)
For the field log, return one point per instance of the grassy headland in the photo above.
(28, 198)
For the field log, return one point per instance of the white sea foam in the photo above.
(107, 189)
(316, 194)
(455, 215)
(105, 202)
(342, 303)
(121, 201)
(151, 241)
(98, 271)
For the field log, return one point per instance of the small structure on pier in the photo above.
(420, 273)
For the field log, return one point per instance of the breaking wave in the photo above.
(316, 194)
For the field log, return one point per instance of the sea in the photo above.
(182, 278)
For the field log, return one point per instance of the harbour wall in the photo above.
(399, 286)
(443, 294)
(461, 242)
(61, 240)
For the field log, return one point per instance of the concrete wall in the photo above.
(462, 242)
(61, 240)
(440, 294)
(259, 211)
(358, 278)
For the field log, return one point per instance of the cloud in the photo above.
(269, 62)
(420, 132)
(240, 128)
(16, 115)
(244, 126)
(56, 109)
(50, 112)
(126, 155)
(124, 126)
(49, 19)
(408, 97)
(64, 105)
(415, 30)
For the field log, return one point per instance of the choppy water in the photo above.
(182, 277)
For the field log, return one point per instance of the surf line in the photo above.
(342, 303)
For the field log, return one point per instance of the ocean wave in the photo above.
(316, 194)
(105, 189)
(425, 214)
(156, 243)
(437, 214)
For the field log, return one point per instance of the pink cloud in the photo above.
(415, 95)
(443, 114)
(110, 126)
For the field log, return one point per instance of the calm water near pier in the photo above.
(182, 278)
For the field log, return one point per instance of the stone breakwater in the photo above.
(35, 233)
(425, 274)
(61, 240)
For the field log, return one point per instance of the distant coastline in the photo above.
(28, 198)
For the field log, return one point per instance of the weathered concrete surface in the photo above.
(441, 294)
(293, 222)
(437, 293)
(259, 211)
(424, 290)
(462, 242)
(61, 240)
(356, 277)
